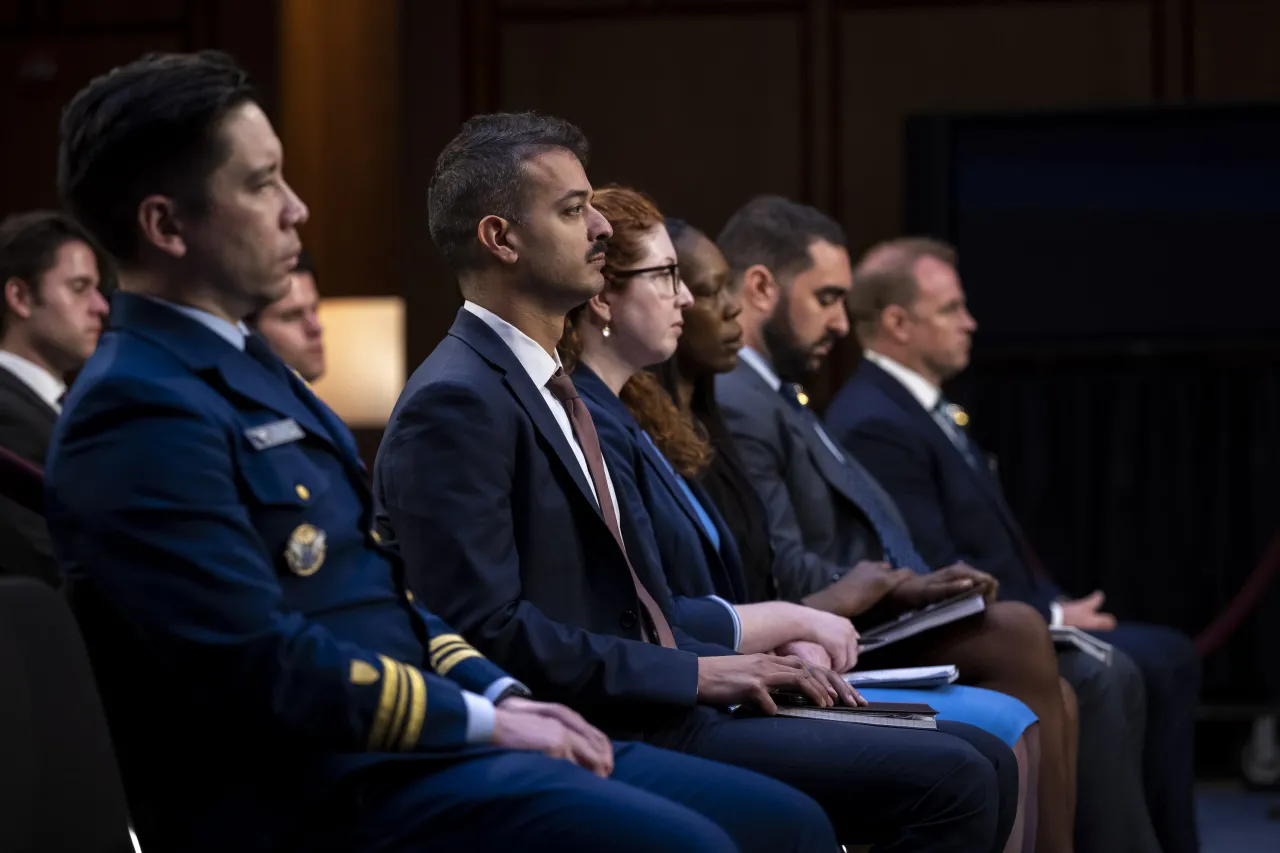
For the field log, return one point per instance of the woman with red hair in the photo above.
(609, 342)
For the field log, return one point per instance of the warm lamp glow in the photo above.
(364, 358)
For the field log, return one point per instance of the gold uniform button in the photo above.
(303, 492)
(375, 536)
(408, 593)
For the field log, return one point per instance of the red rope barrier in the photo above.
(1225, 624)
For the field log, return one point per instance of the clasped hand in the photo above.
(750, 679)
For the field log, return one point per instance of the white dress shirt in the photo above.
(541, 367)
(928, 395)
(922, 389)
(42, 383)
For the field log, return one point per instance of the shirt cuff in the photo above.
(1055, 614)
(495, 690)
(480, 718)
(737, 622)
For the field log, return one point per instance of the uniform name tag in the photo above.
(274, 434)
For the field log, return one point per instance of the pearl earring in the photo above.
(606, 331)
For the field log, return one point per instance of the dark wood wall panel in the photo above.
(340, 121)
(49, 49)
(612, 8)
(897, 62)
(39, 76)
(1235, 52)
(1025, 56)
(433, 51)
(134, 12)
(701, 112)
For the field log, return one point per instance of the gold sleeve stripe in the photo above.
(417, 709)
(386, 702)
(443, 640)
(454, 658)
(444, 651)
(402, 707)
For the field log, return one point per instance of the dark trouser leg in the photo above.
(1008, 650)
(509, 800)
(901, 789)
(1111, 809)
(1170, 670)
(1005, 763)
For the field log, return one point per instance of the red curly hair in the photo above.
(631, 214)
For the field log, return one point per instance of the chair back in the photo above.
(60, 786)
(21, 481)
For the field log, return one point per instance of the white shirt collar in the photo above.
(532, 357)
(232, 333)
(922, 389)
(758, 363)
(46, 386)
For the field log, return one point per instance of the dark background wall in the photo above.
(704, 103)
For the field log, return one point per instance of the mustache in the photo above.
(598, 248)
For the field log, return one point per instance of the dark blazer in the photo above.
(671, 534)
(817, 529)
(955, 512)
(253, 641)
(477, 485)
(26, 425)
(26, 420)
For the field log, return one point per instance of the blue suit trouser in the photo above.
(507, 800)
(954, 789)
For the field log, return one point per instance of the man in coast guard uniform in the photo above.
(270, 682)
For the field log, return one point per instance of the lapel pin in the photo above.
(958, 415)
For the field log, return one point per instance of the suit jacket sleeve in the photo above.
(905, 471)
(145, 505)
(707, 622)
(445, 483)
(451, 656)
(797, 571)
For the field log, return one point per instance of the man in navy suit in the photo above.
(271, 683)
(909, 307)
(828, 510)
(491, 481)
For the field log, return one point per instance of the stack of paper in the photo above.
(911, 677)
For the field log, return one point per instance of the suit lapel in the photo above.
(727, 557)
(215, 359)
(41, 410)
(240, 374)
(832, 469)
(593, 388)
(829, 467)
(473, 331)
(653, 458)
(986, 482)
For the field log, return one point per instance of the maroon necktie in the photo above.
(562, 388)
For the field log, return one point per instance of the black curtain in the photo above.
(1155, 477)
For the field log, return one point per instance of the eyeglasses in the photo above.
(669, 272)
